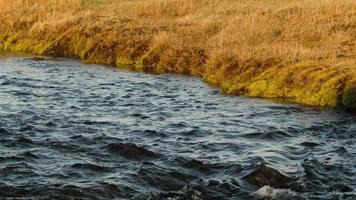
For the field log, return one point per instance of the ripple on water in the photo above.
(70, 130)
(131, 151)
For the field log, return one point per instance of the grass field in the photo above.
(301, 50)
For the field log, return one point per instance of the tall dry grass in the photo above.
(286, 30)
(42, 6)
(231, 43)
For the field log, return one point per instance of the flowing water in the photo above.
(71, 130)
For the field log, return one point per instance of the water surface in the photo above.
(69, 129)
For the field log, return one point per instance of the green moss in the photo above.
(304, 82)
(123, 61)
(349, 96)
(258, 88)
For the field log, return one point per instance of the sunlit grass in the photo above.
(302, 49)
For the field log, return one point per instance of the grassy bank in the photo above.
(301, 50)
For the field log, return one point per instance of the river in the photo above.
(69, 129)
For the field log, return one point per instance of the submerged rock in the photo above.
(264, 175)
(269, 192)
(227, 187)
(207, 167)
(131, 151)
(187, 193)
(198, 165)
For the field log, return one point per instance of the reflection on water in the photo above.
(73, 130)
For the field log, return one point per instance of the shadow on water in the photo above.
(73, 130)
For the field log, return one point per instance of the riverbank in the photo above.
(76, 131)
(299, 50)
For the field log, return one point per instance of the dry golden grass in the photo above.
(299, 49)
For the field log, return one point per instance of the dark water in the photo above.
(73, 130)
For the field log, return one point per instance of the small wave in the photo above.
(6, 82)
(50, 124)
(150, 133)
(163, 178)
(309, 144)
(29, 154)
(24, 140)
(90, 166)
(14, 192)
(269, 135)
(91, 122)
(200, 166)
(4, 159)
(4, 131)
(27, 128)
(132, 151)
(318, 175)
